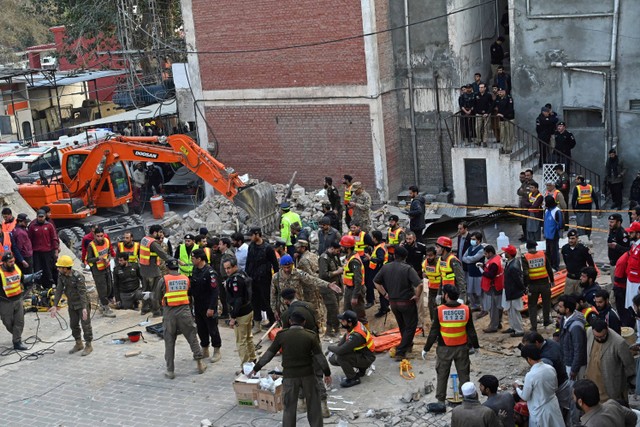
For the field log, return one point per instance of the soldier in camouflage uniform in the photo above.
(330, 269)
(361, 205)
(306, 287)
(308, 262)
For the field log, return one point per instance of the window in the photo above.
(74, 162)
(634, 104)
(583, 118)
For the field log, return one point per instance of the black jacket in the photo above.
(504, 106)
(483, 103)
(238, 287)
(621, 238)
(513, 282)
(416, 255)
(261, 259)
(497, 54)
(416, 213)
(545, 127)
(205, 288)
(565, 142)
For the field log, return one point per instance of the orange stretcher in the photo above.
(559, 278)
(388, 339)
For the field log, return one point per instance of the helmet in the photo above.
(348, 241)
(286, 260)
(64, 261)
(172, 264)
(349, 316)
(445, 242)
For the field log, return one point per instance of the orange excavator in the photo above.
(96, 177)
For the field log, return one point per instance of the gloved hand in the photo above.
(424, 355)
(146, 295)
(30, 278)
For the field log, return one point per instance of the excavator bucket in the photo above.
(259, 202)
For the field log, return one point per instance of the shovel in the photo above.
(259, 345)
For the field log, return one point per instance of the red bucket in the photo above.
(134, 336)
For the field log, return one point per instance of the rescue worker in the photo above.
(99, 257)
(395, 235)
(150, 254)
(557, 195)
(330, 270)
(238, 288)
(8, 221)
(183, 254)
(354, 352)
(453, 330)
(353, 279)
(205, 289)
(348, 190)
(431, 272)
(127, 281)
(307, 288)
(129, 247)
(71, 284)
(310, 323)
(534, 212)
(582, 199)
(300, 350)
(11, 307)
(450, 267)
(287, 219)
(379, 257)
(538, 278)
(492, 285)
(360, 203)
(361, 238)
(173, 290)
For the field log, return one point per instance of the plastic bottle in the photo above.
(454, 380)
(503, 241)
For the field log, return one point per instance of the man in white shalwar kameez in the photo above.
(539, 390)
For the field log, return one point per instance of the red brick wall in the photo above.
(259, 24)
(271, 142)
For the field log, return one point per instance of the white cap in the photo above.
(149, 163)
(468, 389)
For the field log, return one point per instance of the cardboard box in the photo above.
(246, 391)
(270, 402)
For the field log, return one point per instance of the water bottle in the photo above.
(503, 241)
(454, 381)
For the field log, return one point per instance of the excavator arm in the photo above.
(258, 201)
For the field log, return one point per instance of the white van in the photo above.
(28, 165)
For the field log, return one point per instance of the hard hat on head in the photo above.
(286, 260)
(64, 261)
(349, 316)
(444, 242)
(348, 241)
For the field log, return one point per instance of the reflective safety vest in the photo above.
(176, 290)
(360, 246)
(11, 282)
(100, 251)
(554, 194)
(6, 244)
(132, 251)
(584, 194)
(373, 265)
(145, 251)
(347, 194)
(7, 227)
(537, 265)
(587, 312)
(362, 330)
(446, 271)
(347, 274)
(433, 274)
(393, 238)
(532, 200)
(498, 281)
(186, 259)
(286, 220)
(453, 324)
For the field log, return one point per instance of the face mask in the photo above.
(474, 242)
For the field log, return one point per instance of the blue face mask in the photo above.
(474, 242)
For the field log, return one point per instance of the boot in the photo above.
(302, 405)
(79, 346)
(19, 345)
(325, 409)
(201, 366)
(87, 349)
(205, 352)
(216, 355)
(107, 312)
(170, 374)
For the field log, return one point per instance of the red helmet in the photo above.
(445, 242)
(348, 241)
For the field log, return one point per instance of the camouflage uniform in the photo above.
(307, 289)
(362, 210)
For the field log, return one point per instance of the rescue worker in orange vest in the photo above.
(395, 235)
(379, 257)
(129, 247)
(11, 307)
(431, 272)
(99, 256)
(348, 211)
(450, 267)
(353, 279)
(492, 284)
(538, 278)
(8, 221)
(581, 200)
(363, 244)
(557, 195)
(174, 291)
(354, 352)
(534, 212)
(454, 331)
(150, 252)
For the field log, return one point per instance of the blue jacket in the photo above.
(552, 223)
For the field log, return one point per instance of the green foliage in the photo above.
(21, 25)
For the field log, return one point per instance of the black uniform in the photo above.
(621, 238)
(545, 128)
(348, 358)
(504, 106)
(483, 103)
(565, 142)
(127, 285)
(261, 264)
(417, 253)
(576, 259)
(497, 53)
(239, 294)
(205, 290)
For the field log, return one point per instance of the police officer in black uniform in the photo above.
(205, 291)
